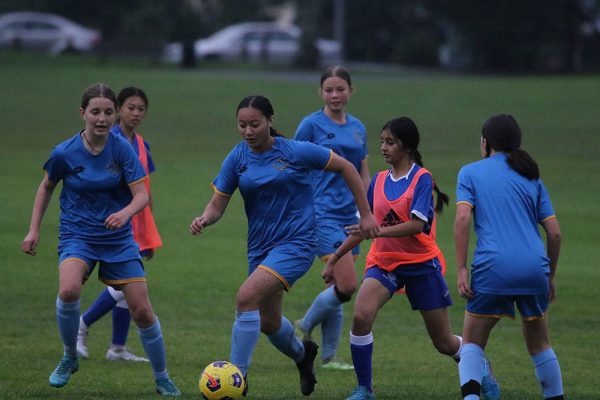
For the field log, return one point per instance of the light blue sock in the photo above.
(362, 358)
(470, 370)
(153, 344)
(319, 309)
(121, 319)
(102, 305)
(548, 373)
(244, 336)
(67, 316)
(286, 342)
(331, 329)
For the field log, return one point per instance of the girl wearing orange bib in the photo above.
(404, 255)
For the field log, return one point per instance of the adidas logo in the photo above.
(391, 219)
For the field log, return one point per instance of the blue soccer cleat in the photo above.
(361, 393)
(489, 387)
(166, 387)
(66, 367)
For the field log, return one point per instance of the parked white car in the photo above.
(254, 41)
(45, 32)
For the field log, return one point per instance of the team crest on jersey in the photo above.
(281, 164)
(358, 137)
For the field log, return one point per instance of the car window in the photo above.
(42, 26)
(281, 36)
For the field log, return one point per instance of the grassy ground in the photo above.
(193, 280)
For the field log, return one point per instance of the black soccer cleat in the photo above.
(308, 378)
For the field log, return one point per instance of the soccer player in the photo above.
(103, 187)
(404, 255)
(340, 131)
(272, 174)
(133, 105)
(506, 198)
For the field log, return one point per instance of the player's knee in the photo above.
(142, 314)
(445, 347)
(344, 294)
(471, 387)
(69, 294)
(362, 321)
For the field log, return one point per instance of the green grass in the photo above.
(193, 280)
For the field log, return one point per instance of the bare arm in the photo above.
(553, 240)
(40, 204)
(368, 225)
(138, 202)
(462, 226)
(351, 242)
(365, 175)
(213, 212)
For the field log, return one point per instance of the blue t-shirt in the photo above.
(276, 189)
(94, 187)
(509, 257)
(333, 198)
(117, 129)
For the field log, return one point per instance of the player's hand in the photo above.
(117, 220)
(462, 283)
(30, 242)
(551, 291)
(327, 273)
(198, 225)
(368, 227)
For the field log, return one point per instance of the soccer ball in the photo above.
(221, 380)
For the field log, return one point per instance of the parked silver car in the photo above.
(254, 41)
(45, 32)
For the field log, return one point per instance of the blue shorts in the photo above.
(288, 262)
(531, 306)
(425, 286)
(119, 263)
(331, 236)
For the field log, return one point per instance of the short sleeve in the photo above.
(151, 167)
(228, 178)
(371, 191)
(313, 155)
(131, 167)
(422, 202)
(544, 206)
(56, 166)
(464, 189)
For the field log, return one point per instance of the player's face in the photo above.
(254, 128)
(99, 116)
(132, 112)
(335, 93)
(391, 148)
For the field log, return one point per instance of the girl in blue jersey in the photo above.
(404, 255)
(133, 105)
(507, 200)
(341, 132)
(103, 187)
(272, 174)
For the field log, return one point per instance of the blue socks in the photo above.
(244, 336)
(286, 341)
(548, 373)
(67, 316)
(154, 346)
(470, 370)
(362, 354)
(103, 304)
(120, 320)
(326, 310)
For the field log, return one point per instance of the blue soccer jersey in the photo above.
(117, 129)
(333, 198)
(276, 189)
(510, 257)
(94, 187)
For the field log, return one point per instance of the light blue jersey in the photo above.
(277, 192)
(510, 257)
(333, 198)
(94, 187)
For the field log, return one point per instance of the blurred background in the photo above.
(509, 36)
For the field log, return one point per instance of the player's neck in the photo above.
(127, 132)
(338, 117)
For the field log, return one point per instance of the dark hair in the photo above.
(336, 70)
(407, 133)
(98, 90)
(262, 104)
(502, 133)
(131, 91)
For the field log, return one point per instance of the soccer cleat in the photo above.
(489, 387)
(115, 354)
(300, 333)
(308, 378)
(245, 392)
(361, 393)
(166, 387)
(82, 350)
(335, 363)
(66, 367)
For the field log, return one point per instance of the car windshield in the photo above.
(227, 34)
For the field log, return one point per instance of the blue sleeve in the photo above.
(365, 147)
(422, 202)
(371, 191)
(545, 208)
(304, 132)
(151, 166)
(464, 188)
(131, 167)
(56, 166)
(312, 155)
(228, 179)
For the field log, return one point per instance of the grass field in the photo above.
(193, 280)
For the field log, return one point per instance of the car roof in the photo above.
(35, 16)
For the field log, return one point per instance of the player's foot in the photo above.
(166, 387)
(115, 354)
(66, 367)
(302, 334)
(245, 392)
(336, 364)
(82, 350)
(361, 393)
(308, 378)
(489, 387)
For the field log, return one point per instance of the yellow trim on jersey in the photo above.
(465, 202)
(276, 274)
(548, 218)
(330, 158)
(217, 191)
(138, 181)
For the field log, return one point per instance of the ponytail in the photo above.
(416, 156)
(442, 198)
(523, 163)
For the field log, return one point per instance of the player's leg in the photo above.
(121, 319)
(72, 273)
